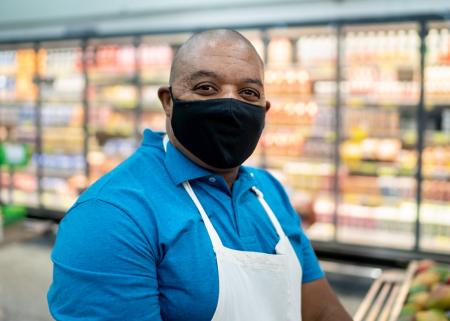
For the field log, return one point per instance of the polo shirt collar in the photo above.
(181, 168)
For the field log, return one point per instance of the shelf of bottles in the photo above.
(63, 158)
(112, 98)
(435, 209)
(378, 147)
(124, 77)
(18, 92)
(298, 141)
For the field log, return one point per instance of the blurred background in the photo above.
(358, 132)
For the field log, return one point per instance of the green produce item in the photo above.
(443, 271)
(428, 278)
(408, 310)
(417, 288)
(431, 315)
(439, 298)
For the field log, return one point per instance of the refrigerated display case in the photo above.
(298, 141)
(62, 159)
(345, 133)
(378, 150)
(112, 100)
(434, 208)
(18, 92)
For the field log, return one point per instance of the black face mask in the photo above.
(223, 132)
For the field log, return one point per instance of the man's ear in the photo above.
(267, 105)
(165, 99)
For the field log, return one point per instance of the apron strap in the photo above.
(269, 212)
(215, 240)
(165, 141)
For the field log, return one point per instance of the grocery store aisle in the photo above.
(25, 274)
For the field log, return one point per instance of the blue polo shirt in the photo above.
(134, 247)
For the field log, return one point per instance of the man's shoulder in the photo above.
(126, 184)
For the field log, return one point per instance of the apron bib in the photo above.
(255, 286)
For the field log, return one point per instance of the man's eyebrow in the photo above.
(212, 74)
(253, 81)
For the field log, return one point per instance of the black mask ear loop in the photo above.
(166, 137)
(171, 94)
(172, 97)
(173, 104)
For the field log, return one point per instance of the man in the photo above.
(182, 231)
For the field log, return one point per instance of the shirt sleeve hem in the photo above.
(313, 277)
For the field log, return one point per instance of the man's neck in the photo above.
(230, 176)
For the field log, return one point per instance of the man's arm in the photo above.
(319, 303)
(104, 267)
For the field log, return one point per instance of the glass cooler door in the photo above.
(63, 158)
(298, 143)
(111, 68)
(378, 155)
(18, 93)
(435, 205)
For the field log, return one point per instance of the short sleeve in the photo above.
(310, 264)
(104, 268)
(311, 268)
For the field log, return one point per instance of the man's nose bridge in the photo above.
(230, 92)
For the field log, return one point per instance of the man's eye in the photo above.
(205, 89)
(250, 93)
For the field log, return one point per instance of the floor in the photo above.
(25, 274)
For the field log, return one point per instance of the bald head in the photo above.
(215, 64)
(209, 41)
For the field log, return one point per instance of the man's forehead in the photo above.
(220, 54)
(217, 51)
(222, 50)
(222, 69)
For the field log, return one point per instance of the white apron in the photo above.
(255, 286)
